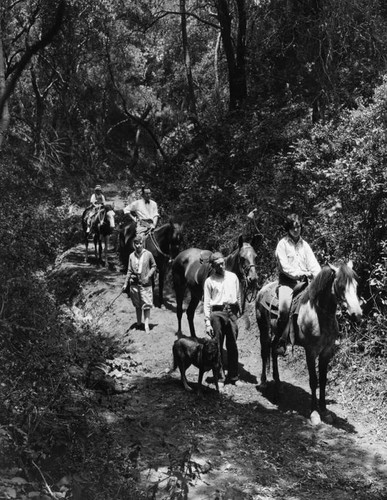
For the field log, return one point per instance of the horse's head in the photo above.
(176, 239)
(345, 289)
(247, 262)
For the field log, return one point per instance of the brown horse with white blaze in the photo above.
(191, 268)
(314, 324)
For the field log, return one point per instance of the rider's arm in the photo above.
(128, 275)
(131, 210)
(313, 266)
(155, 220)
(152, 265)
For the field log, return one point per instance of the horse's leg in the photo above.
(264, 336)
(86, 248)
(179, 285)
(324, 360)
(95, 239)
(276, 376)
(162, 272)
(193, 303)
(106, 244)
(311, 362)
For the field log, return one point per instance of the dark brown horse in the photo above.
(164, 243)
(101, 228)
(191, 268)
(313, 325)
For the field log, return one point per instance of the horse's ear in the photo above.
(240, 241)
(350, 264)
(334, 268)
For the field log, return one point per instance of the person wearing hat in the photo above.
(141, 268)
(296, 262)
(97, 198)
(222, 304)
(97, 201)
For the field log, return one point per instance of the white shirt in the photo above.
(143, 210)
(295, 259)
(97, 199)
(220, 290)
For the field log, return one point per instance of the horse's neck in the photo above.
(326, 299)
(159, 236)
(232, 262)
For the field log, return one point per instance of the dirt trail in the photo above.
(239, 445)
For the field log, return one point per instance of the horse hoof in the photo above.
(315, 418)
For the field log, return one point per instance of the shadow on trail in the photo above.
(217, 443)
(296, 399)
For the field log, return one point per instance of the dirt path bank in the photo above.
(236, 446)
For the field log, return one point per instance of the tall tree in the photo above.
(191, 101)
(234, 44)
(8, 83)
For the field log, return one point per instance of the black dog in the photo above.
(200, 352)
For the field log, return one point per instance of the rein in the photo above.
(250, 293)
(151, 236)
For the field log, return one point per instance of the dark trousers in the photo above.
(224, 324)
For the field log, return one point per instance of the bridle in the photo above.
(250, 292)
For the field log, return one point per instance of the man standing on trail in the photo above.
(144, 212)
(141, 269)
(296, 263)
(222, 304)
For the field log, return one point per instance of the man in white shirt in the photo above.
(144, 212)
(296, 263)
(222, 302)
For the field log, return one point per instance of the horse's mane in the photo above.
(344, 276)
(320, 283)
(324, 280)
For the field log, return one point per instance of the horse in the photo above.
(313, 325)
(191, 268)
(163, 242)
(101, 228)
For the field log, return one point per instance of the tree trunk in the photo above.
(236, 60)
(9, 85)
(4, 117)
(191, 101)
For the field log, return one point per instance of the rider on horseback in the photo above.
(144, 212)
(97, 201)
(296, 263)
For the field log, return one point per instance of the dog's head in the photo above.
(211, 353)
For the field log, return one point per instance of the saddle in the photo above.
(271, 304)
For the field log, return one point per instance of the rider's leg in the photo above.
(282, 331)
